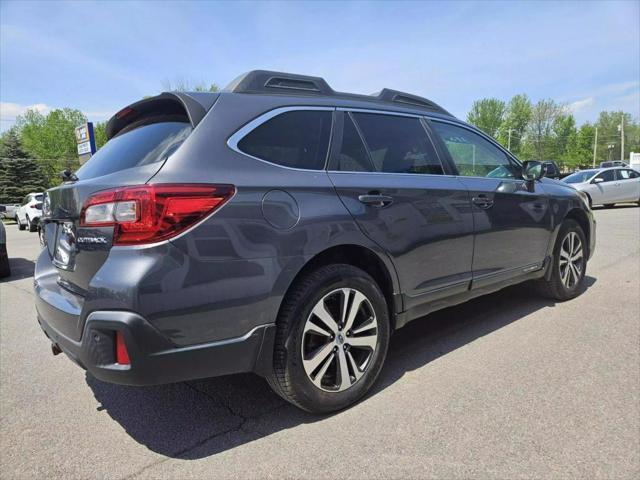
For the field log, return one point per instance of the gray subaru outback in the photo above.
(283, 228)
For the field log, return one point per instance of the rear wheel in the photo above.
(20, 225)
(31, 226)
(569, 263)
(332, 339)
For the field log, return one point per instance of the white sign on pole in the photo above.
(84, 148)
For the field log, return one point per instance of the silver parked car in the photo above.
(607, 186)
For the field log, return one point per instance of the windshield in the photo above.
(580, 177)
(144, 145)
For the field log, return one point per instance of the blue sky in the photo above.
(101, 56)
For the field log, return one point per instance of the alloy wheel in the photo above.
(339, 339)
(571, 260)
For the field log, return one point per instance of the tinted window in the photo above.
(294, 139)
(38, 197)
(608, 175)
(627, 174)
(473, 155)
(352, 156)
(551, 168)
(141, 146)
(398, 144)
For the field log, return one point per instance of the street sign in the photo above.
(86, 142)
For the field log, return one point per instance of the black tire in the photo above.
(555, 288)
(609, 205)
(289, 379)
(5, 270)
(31, 226)
(20, 225)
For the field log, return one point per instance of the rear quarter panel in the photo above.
(235, 267)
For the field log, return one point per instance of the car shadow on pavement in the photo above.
(198, 419)
(20, 268)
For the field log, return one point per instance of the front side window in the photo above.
(297, 139)
(398, 144)
(607, 176)
(474, 155)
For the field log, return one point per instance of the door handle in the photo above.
(376, 200)
(482, 201)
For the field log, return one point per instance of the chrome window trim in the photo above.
(236, 137)
(379, 112)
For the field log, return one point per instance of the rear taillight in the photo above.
(151, 213)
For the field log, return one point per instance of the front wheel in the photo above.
(20, 225)
(569, 263)
(332, 339)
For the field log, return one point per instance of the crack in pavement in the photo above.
(243, 419)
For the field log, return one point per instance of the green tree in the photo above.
(51, 140)
(100, 134)
(487, 114)
(564, 134)
(609, 134)
(540, 134)
(514, 126)
(19, 174)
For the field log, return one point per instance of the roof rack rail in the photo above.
(396, 96)
(265, 82)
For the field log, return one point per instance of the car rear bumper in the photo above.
(155, 360)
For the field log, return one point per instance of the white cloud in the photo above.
(9, 111)
(580, 105)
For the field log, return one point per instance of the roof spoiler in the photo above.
(268, 82)
(193, 105)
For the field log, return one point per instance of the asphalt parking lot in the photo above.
(505, 386)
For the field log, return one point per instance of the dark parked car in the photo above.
(286, 229)
(5, 269)
(551, 169)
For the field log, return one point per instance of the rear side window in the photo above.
(398, 144)
(141, 146)
(626, 174)
(297, 139)
(352, 156)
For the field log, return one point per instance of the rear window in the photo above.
(297, 139)
(141, 146)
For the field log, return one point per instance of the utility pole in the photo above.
(622, 137)
(595, 148)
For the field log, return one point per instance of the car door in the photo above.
(628, 185)
(512, 223)
(603, 190)
(387, 172)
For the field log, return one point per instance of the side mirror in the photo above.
(598, 180)
(532, 170)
